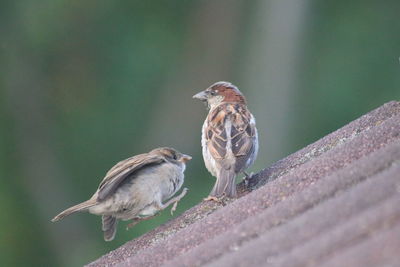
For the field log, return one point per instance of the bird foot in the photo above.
(133, 223)
(247, 177)
(212, 198)
(137, 220)
(175, 200)
(173, 209)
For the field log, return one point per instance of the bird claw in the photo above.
(137, 220)
(247, 177)
(178, 198)
(133, 223)
(174, 207)
(211, 198)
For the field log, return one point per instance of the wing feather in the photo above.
(122, 170)
(242, 135)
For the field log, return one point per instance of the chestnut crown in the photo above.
(221, 92)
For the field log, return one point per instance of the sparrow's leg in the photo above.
(221, 200)
(247, 177)
(174, 200)
(211, 198)
(137, 220)
(133, 223)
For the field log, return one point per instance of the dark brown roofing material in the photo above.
(333, 203)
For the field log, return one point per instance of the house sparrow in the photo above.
(229, 137)
(135, 189)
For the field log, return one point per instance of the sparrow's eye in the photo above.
(213, 93)
(174, 156)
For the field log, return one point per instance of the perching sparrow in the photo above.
(135, 189)
(229, 136)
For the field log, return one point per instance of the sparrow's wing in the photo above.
(231, 135)
(122, 170)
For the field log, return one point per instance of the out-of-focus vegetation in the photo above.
(84, 84)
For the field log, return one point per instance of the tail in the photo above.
(225, 184)
(80, 207)
(109, 227)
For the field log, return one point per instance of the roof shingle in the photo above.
(333, 202)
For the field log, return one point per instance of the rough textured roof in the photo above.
(333, 203)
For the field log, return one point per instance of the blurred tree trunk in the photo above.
(270, 76)
(206, 58)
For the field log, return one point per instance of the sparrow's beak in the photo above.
(185, 158)
(201, 96)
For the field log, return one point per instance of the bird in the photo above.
(136, 189)
(229, 137)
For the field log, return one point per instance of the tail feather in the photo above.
(79, 207)
(109, 227)
(225, 184)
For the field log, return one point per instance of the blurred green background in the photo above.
(84, 84)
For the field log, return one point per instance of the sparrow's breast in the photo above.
(209, 161)
(172, 180)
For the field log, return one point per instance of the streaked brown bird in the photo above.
(136, 189)
(229, 137)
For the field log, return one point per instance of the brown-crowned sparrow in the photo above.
(136, 189)
(229, 136)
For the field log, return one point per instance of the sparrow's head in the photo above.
(221, 92)
(172, 155)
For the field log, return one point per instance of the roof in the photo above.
(333, 203)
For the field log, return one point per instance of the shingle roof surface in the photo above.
(333, 203)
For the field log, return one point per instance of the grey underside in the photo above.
(142, 192)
